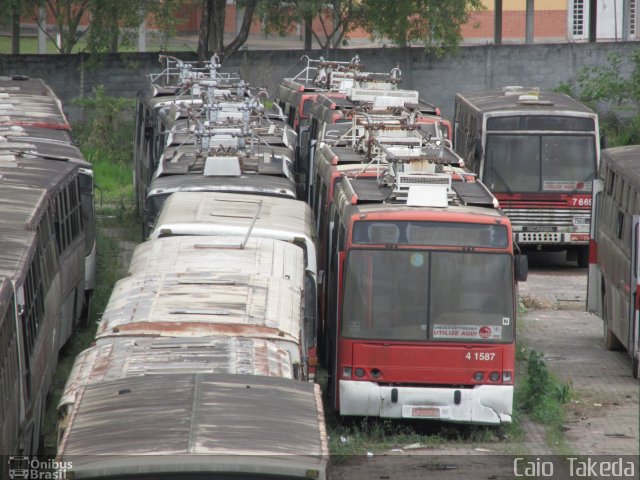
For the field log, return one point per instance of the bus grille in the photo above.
(561, 217)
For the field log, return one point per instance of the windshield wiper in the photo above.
(585, 180)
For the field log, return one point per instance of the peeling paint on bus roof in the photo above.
(217, 423)
(265, 256)
(126, 357)
(206, 304)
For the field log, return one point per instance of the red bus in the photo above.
(538, 153)
(413, 327)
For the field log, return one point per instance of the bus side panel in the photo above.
(633, 345)
(594, 287)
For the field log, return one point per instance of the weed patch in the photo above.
(542, 397)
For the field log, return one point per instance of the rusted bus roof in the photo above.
(33, 132)
(206, 304)
(24, 85)
(265, 256)
(33, 171)
(217, 423)
(19, 106)
(49, 144)
(26, 183)
(496, 100)
(127, 357)
(625, 161)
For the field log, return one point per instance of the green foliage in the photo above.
(607, 84)
(336, 18)
(112, 23)
(434, 23)
(108, 125)
(541, 395)
(374, 435)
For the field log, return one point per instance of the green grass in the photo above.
(115, 213)
(114, 179)
(107, 275)
(541, 396)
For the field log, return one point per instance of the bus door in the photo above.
(634, 303)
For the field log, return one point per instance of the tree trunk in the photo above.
(243, 34)
(203, 38)
(308, 38)
(15, 33)
(216, 26)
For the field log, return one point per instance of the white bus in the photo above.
(538, 153)
(249, 216)
(614, 268)
(194, 425)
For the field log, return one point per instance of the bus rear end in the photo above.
(422, 332)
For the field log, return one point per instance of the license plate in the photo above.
(429, 412)
(581, 221)
(541, 228)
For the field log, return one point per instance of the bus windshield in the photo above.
(539, 163)
(419, 295)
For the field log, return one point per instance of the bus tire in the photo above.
(611, 342)
(583, 257)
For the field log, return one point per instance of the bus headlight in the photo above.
(494, 376)
(346, 372)
(506, 376)
(359, 372)
(478, 376)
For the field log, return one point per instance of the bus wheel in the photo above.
(611, 342)
(583, 257)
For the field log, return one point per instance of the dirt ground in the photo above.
(602, 416)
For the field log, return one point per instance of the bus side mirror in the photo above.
(521, 267)
(603, 142)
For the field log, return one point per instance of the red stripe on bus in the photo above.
(593, 251)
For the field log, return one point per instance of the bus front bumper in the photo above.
(484, 404)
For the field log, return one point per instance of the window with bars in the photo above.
(578, 18)
(633, 8)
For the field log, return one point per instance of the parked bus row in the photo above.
(339, 228)
(205, 348)
(47, 252)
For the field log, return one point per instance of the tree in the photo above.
(211, 39)
(13, 9)
(606, 84)
(336, 18)
(115, 23)
(111, 22)
(435, 23)
(67, 15)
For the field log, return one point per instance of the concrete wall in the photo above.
(437, 80)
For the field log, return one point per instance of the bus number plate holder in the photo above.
(420, 411)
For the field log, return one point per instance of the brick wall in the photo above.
(437, 80)
(547, 24)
